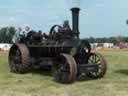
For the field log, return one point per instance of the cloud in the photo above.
(3, 25)
(12, 19)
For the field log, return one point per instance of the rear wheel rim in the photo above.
(64, 69)
(19, 58)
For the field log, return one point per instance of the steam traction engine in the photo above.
(62, 50)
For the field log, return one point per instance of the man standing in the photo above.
(27, 29)
(16, 36)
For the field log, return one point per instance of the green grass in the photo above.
(115, 83)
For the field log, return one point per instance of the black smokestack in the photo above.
(75, 20)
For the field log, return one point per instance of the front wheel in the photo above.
(97, 58)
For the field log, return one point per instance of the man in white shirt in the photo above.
(27, 29)
(16, 36)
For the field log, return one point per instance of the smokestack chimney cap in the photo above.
(75, 9)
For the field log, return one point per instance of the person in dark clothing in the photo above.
(67, 32)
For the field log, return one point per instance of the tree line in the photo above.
(6, 35)
(107, 39)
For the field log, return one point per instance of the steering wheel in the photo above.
(55, 28)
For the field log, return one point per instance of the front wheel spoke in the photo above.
(90, 61)
(99, 62)
(94, 73)
(98, 59)
(100, 65)
(94, 57)
(99, 70)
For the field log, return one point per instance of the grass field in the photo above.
(115, 83)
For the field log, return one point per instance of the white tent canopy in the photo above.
(5, 46)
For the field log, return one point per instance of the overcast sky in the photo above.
(98, 18)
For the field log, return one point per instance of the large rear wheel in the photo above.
(64, 69)
(19, 59)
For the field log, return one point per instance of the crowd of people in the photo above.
(19, 33)
(63, 32)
